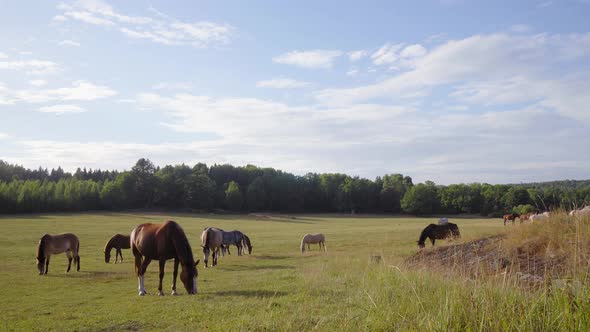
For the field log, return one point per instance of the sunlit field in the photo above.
(275, 288)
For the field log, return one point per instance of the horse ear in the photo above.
(197, 263)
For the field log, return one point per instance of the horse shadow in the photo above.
(256, 268)
(251, 293)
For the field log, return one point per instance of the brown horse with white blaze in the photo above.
(57, 244)
(162, 242)
(118, 241)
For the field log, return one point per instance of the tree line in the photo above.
(255, 189)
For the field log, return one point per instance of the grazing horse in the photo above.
(229, 238)
(581, 212)
(539, 217)
(511, 217)
(247, 244)
(438, 232)
(211, 241)
(313, 239)
(163, 242)
(118, 241)
(56, 244)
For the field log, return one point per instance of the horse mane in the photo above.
(41, 247)
(109, 244)
(181, 244)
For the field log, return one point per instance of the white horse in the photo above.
(581, 212)
(539, 217)
(313, 239)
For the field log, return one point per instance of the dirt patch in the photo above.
(488, 257)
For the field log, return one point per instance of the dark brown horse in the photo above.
(163, 242)
(510, 217)
(118, 241)
(56, 244)
(438, 232)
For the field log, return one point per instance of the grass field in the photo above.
(276, 288)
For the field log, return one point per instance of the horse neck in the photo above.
(41, 247)
(423, 235)
(109, 244)
(182, 247)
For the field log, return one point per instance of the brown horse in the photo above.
(118, 241)
(438, 232)
(525, 216)
(511, 217)
(212, 242)
(56, 244)
(163, 242)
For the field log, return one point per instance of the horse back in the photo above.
(57, 244)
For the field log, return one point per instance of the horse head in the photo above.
(107, 256)
(188, 276)
(421, 244)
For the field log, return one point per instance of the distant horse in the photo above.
(539, 217)
(247, 244)
(524, 217)
(313, 239)
(580, 212)
(510, 217)
(56, 244)
(211, 241)
(118, 241)
(438, 232)
(162, 242)
(232, 237)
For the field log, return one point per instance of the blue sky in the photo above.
(449, 90)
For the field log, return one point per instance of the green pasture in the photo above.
(276, 288)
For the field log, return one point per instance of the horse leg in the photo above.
(143, 266)
(46, 264)
(432, 240)
(162, 265)
(215, 256)
(69, 254)
(77, 260)
(174, 274)
(120, 254)
(240, 249)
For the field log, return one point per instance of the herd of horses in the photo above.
(167, 241)
(159, 242)
(536, 216)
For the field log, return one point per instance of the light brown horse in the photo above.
(510, 217)
(313, 239)
(56, 244)
(163, 242)
(212, 242)
(118, 241)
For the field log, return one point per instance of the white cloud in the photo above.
(413, 51)
(497, 68)
(68, 42)
(3, 56)
(3, 135)
(164, 29)
(38, 82)
(386, 54)
(173, 86)
(309, 59)
(357, 55)
(282, 83)
(80, 90)
(34, 67)
(62, 109)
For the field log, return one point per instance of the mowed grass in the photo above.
(276, 288)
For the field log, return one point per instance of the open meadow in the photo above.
(275, 288)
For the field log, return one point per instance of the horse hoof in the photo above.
(161, 293)
(142, 293)
(174, 293)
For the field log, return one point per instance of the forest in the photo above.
(227, 188)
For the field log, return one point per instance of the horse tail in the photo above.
(77, 256)
(303, 245)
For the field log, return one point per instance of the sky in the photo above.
(445, 90)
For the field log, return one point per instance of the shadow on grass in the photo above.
(267, 257)
(255, 268)
(251, 293)
(85, 274)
